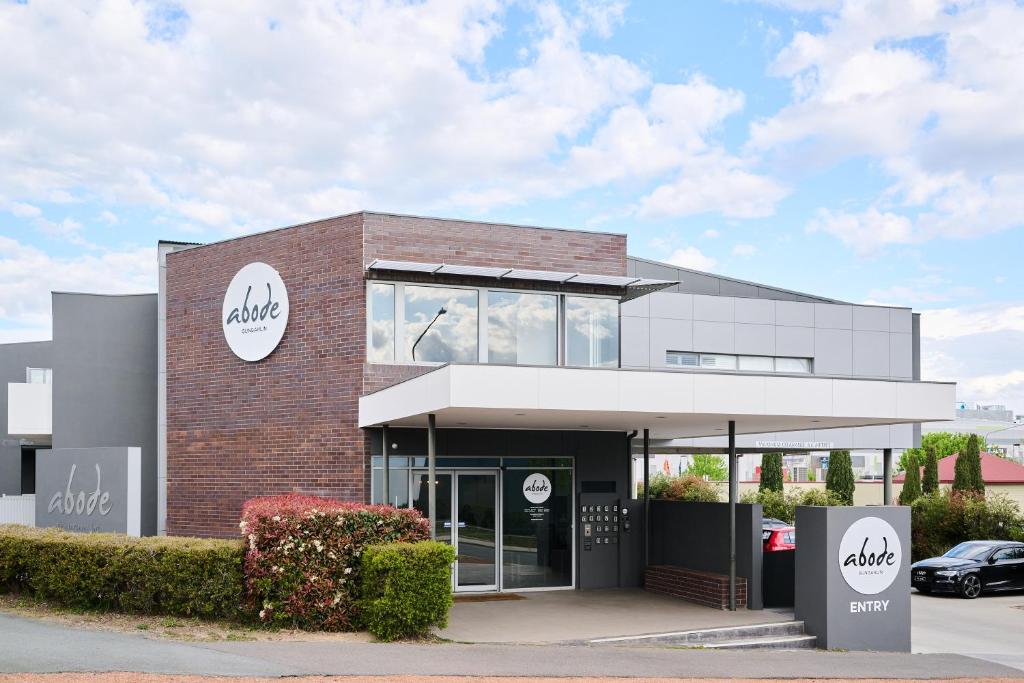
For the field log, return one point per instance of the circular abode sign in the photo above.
(255, 311)
(537, 488)
(870, 555)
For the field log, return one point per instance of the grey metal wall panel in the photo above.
(733, 288)
(636, 342)
(105, 356)
(14, 359)
(657, 271)
(669, 335)
(794, 314)
(714, 308)
(755, 340)
(901, 320)
(767, 293)
(870, 353)
(833, 352)
(833, 316)
(671, 305)
(796, 342)
(714, 337)
(902, 436)
(696, 283)
(873, 318)
(759, 311)
(901, 356)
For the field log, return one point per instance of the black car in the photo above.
(972, 567)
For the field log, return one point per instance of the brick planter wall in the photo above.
(703, 588)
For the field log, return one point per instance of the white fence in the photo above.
(18, 510)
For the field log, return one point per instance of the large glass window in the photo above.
(382, 323)
(38, 375)
(441, 324)
(522, 329)
(591, 331)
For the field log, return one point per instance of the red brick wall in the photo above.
(288, 422)
(704, 588)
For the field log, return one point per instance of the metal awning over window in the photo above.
(633, 286)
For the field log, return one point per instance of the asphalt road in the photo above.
(989, 627)
(31, 646)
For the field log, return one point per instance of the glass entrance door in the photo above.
(476, 532)
(467, 518)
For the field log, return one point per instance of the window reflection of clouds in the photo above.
(591, 332)
(382, 324)
(522, 328)
(454, 336)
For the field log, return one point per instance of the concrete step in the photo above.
(777, 634)
(776, 643)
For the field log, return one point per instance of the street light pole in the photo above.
(441, 312)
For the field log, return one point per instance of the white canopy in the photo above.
(672, 404)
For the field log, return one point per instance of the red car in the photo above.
(779, 538)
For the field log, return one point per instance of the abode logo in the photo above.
(537, 488)
(870, 555)
(68, 503)
(255, 311)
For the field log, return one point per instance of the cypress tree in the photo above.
(840, 476)
(967, 472)
(771, 472)
(930, 483)
(911, 483)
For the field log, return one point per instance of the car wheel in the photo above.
(970, 586)
(923, 589)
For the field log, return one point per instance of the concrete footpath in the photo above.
(31, 646)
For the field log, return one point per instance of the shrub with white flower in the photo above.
(315, 590)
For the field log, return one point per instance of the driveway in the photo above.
(29, 645)
(989, 627)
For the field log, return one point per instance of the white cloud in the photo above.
(744, 250)
(710, 234)
(693, 258)
(23, 210)
(949, 323)
(28, 275)
(864, 232)
(933, 95)
(211, 116)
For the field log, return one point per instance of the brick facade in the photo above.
(288, 423)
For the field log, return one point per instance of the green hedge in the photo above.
(940, 521)
(157, 575)
(406, 588)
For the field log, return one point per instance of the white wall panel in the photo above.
(759, 311)
(636, 342)
(870, 353)
(833, 316)
(711, 337)
(669, 335)
(873, 318)
(833, 352)
(755, 340)
(714, 308)
(794, 314)
(796, 342)
(671, 305)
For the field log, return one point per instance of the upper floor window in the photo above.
(381, 343)
(723, 361)
(522, 329)
(591, 331)
(441, 324)
(39, 375)
(437, 324)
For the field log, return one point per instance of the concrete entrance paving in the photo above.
(574, 616)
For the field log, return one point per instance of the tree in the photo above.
(839, 479)
(911, 483)
(967, 471)
(948, 443)
(708, 466)
(930, 482)
(771, 472)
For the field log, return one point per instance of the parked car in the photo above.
(971, 568)
(778, 538)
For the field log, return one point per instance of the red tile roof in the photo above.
(994, 470)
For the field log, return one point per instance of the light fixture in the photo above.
(519, 414)
(659, 417)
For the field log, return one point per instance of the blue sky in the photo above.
(866, 151)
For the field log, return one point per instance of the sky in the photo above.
(867, 151)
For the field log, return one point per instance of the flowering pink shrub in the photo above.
(302, 561)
